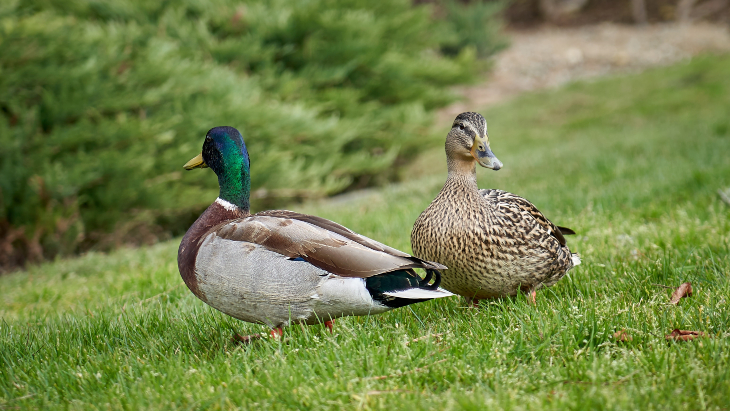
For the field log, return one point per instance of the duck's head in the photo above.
(225, 153)
(468, 139)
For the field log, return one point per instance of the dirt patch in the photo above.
(521, 14)
(550, 57)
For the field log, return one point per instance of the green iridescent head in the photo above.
(225, 153)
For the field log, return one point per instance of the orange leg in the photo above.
(530, 292)
(248, 339)
(329, 324)
(472, 302)
(277, 332)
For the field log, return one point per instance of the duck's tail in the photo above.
(575, 257)
(566, 230)
(404, 287)
(419, 294)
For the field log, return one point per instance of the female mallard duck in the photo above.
(278, 267)
(493, 242)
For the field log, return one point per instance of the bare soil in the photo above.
(550, 56)
(527, 13)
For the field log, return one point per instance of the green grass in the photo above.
(631, 163)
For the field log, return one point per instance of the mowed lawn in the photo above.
(632, 164)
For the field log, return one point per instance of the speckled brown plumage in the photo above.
(494, 243)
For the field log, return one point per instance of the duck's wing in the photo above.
(508, 200)
(321, 242)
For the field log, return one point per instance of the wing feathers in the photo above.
(504, 197)
(338, 229)
(322, 243)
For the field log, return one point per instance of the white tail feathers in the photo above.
(576, 259)
(419, 293)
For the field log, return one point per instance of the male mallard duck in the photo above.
(493, 242)
(277, 266)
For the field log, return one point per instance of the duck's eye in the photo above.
(461, 126)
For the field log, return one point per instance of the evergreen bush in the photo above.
(102, 101)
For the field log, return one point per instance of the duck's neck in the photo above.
(232, 203)
(235, 187)
(218, 212)
(462, 175)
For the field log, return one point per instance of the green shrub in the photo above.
(102, 101)
(472, 25)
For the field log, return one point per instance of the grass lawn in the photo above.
(633, 164)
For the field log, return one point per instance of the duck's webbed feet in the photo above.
(277, 332)
(530, 293)
(245, 339)
(472, 302)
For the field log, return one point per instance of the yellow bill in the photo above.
(196, 162)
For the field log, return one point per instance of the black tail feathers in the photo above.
(566, 230)
(430, 274)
